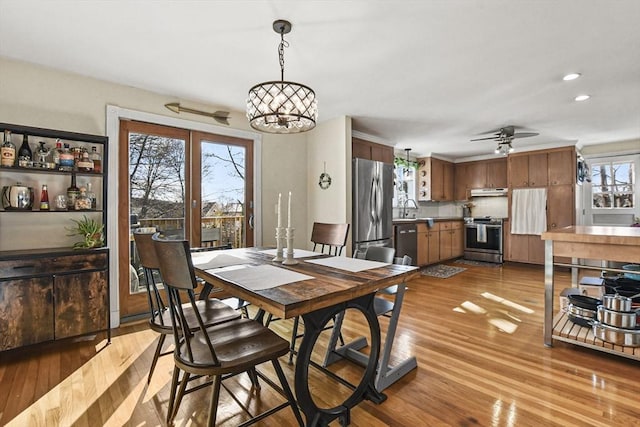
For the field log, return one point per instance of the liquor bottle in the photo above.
(24, 153)
(77, 156)
(8, 150)
(66, 159)
(72, 193)
(92, 196)
(83, 203)
(97, 160)
(85, 164)
(56, 154)
(44, 198)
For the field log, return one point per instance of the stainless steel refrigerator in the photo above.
(372, 210)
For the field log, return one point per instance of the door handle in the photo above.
(251, 221)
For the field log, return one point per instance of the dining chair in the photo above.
(382, 305)
(212, 311)
(332, 237)
(223, 350)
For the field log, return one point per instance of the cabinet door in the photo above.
(518, 171)
(360, 149)
(519, 247)
(497, 173)
(26, 312)
(447, 181)
(562, 167)
(560, 202)
(445, 240)
(538, 175)
(460, 185)
(434, 247)
(536, 249)
(457, 241)
(386, 154)
(477, 174)
(81, 303)
(423, 248)
(437, 180)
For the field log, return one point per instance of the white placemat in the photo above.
(350, 264)
(297, 253)
(260, 277)
(209, 260)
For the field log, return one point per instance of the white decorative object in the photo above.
(280, 236)
(290, 260)
(279, 211)
(289, 212)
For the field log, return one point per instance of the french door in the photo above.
(184, 184)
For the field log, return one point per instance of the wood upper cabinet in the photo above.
(371, 151)
(480, 174)
(562, 166)
(460, 188)
(435, 180)
(496, 173)
(527, 170)
(477, 175)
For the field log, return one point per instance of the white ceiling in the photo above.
(428, 75)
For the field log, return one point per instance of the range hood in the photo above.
(484, 192)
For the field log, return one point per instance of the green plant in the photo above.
(90, 230)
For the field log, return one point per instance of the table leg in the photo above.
(314, 323)
(548, 293)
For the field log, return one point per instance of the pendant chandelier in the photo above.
(504, 148)
(281, 106)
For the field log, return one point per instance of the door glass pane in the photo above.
(157, 191)
(223, 194)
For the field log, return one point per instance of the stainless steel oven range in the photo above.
(483, 239)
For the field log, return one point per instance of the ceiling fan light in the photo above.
(571, 76)
(582, 97)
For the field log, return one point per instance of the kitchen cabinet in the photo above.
(479, 174)
(435, 180)
(52, 294)
(428, 244)
(496, 173)
(527, 170)
(451, 240)
(460, 186)
(562, 166)
(371, 151)
(48, 290)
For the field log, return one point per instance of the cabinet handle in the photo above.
(19, 267)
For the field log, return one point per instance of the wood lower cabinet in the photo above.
(445, 240)
(51, 295)
(428, 244)
(451, 240)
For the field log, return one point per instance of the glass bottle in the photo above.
(56, 154)
(24, 153)
(8, 150)
(83, 203)
(97, 160)
(92, 196)
(44, 198)
(66, 159)
(85, 164)
(72, 193)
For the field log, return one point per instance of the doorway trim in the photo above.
(114, 115)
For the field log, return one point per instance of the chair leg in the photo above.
(183, 387)
(213, 404)
(294, 337)
(253, 376)
(269, 318)
(156, 356)
(287, 391)
(172, 395)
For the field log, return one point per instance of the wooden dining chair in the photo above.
(329, 237)
(225, 350)
(212, 311)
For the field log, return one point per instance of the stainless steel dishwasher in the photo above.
(406, 241)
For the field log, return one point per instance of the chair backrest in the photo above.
(380, 253)
(191, 338)
(405, 260)
(331, 236)
(151, 266)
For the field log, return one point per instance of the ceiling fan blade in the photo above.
(486, 139)
(525, 134)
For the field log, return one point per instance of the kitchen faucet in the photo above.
(405, 206)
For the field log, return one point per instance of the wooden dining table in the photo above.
(321, 288)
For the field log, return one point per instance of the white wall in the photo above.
(327, 145)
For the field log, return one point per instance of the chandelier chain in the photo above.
(281, 46)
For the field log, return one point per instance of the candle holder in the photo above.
(280, 236)
(289, 260)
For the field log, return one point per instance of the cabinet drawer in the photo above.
(52, 265)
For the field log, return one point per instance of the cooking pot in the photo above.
(618, 302)
(17, 197)
(620, 319)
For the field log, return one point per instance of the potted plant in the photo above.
(91, 232)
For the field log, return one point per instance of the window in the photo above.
(612, 185)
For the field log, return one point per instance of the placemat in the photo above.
(350, 264)
(209, 260)
(260, 277)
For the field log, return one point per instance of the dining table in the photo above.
(317, 287)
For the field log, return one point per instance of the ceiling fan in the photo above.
(504, 136)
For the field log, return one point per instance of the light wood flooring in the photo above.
(481, 362)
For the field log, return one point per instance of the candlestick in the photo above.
(280, 236)
(289, 212)
(279, 217)
(289, 260)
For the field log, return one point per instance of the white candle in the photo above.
(289, 212)
(279, 210)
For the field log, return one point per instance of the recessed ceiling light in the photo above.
(571, 76)
(582, 97)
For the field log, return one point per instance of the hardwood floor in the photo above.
(481, 362)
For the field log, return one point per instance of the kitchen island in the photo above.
(621, 244)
